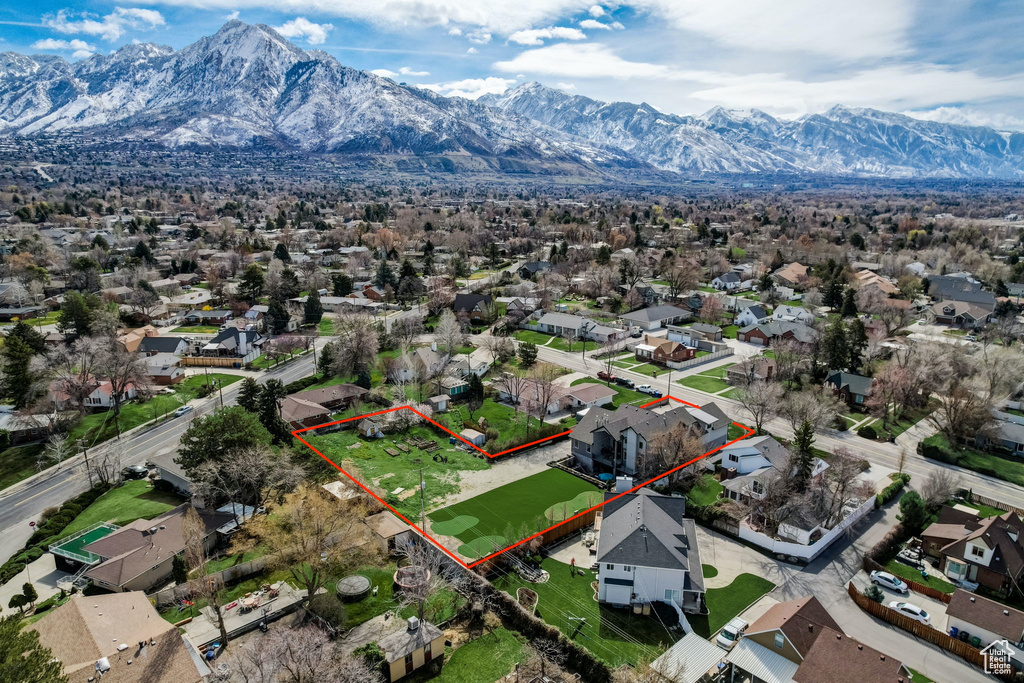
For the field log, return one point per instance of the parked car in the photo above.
(911, 610)
(649, 390)
(887, 580)
(971, 337)
(135, 472)
(183, 410)
(731, 633)
(624, 382)
(606, 376)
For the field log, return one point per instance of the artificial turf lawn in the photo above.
(510, 512)
(372, 466)
(710, 571)
(727, 602)
(131, 501)
(616, 636)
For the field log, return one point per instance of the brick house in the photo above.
(986, 551)
(663, 351)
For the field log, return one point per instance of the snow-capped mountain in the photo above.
(246, 86)
(840, 141)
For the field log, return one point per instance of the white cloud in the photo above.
(472, 51)
(384, 73)
(537, 36)
(966, 116)
(480, 37)
(408, 71)
(586, 60)
(565, 86)
(596, 11)
(79, 48)
(110, 27)
(455, 31)
(301, 27)
(232, 16)
(472, 88)
(592, 24)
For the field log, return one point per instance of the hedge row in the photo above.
(302, 384)
(890, 491)
(53, 525)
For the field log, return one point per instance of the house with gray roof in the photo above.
(559, 324)
(647, 552)
(852, 388)
(656, 317)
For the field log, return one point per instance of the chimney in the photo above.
(810, 628)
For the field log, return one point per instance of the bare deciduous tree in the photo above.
(357, 344)
(448, 332)
(815, 405)
(513, 383)
(193, 532)
(761, 399)
(939, 486)
(123, 369)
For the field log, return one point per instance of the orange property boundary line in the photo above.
(445, 550)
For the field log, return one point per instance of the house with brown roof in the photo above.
(798, 641)
(792, 274)
(120, 638)
(664, 351)
(337, 397)
(299, 412)
(988, 551)
(986, 619)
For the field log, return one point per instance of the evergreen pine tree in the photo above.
(849, 307)
(281, 253)
(277, 317)
(803, 442)
(313, 310)
(835, 351)
(856, 342)
(249, 395)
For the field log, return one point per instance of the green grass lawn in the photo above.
(17, 463)
(577, 346)
(908, 419)
(704, 383)
(265, 362)
(727, 602)
(375, 468)
(197, 329)
(705, 492)
(624, 363)
(512, 427)
(227, 561)
(441, 606)
(123, 505)
(326, 326)
(720, 372)
(735, 432)
(98, 427)
(616, 636)
(623, 394)
(729, 331)
(709, 571)
(514, 511)
(484, 660)
(650, 370)
(538, 338)
(979, 461)
(903, 571)
(983, 510)
(918, 677)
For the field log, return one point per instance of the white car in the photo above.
(887, 580)
(913, 611)
(183, 410)
(730, 633)
(649, 390)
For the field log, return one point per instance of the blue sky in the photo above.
(949, 60)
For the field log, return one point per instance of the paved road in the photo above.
(885, 454)
(25, 503)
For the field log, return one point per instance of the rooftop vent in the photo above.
(414, 623)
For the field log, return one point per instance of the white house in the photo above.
(752, 315)
(647, 552)
(655, 317)
(587, 395)
(102, 396)
(559, 324)
(753, 460)
(727, 282)
(793, 314)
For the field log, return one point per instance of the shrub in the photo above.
(867, 432)
(47, 513)
(302, 384)
(890, 491)
(371, 654)
(841, 424)
(875, 593)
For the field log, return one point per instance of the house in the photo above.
(118, 294)
(473, 436)
(764, 333)
(165, 371)
(453, 386)
(200, 317)
(986, 619)
(476, 363)
(692, 659)
(9, 313)
(233, 343)
(138, 557)
(418, 644)
(587, 395)
(987, 551)
(151, 346)
(647, 552)
(1005, 431)
(752, 315)
(793, 314)
(695, 334)
(749, 463)
(963, 289)
(102, 396)
(616, 441)
(476, 306)
(133, 338)
(727, 282)
(370, 429)
(529, 270)
(852, 388)
(663, 351)
(656, 317)
(299, 413)
(798, 641)
(336, 397)
(121, 638)
(172, 473)
(959, 314)
(519, 303)
(533, 392)
(560, 324)
(791, 275)
(866, 280)
(752, 370)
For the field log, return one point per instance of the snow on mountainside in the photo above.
(247, 86)
(840, 141)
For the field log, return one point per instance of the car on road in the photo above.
(731, 633)
(183, 411)
(606, 376)
(971, 338)
(887, 580)
(649, 390)
(135, 472)
(624, 382)
(911, 610)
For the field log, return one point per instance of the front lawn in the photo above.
(326, 326)
(918, 677)
(650, 370)
(98, 427)
(538, 338)
(728, 602)
(938, 447)
(504, 515)
(623, 394)
(266, 362)
(903, 571)
(711, 385)
(720, 372)
(577, 346)
(616, 636)
(705, 492)
(197, 329)
(735, 431)
(908, 419)
(123, 505)
(18, 462)
(367, 460)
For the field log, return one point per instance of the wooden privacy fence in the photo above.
(998, 504)
(927, 633)
(871, 566)
(570, 527)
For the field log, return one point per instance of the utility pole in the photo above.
(85, 450)
(423, 513)
(668, 389)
